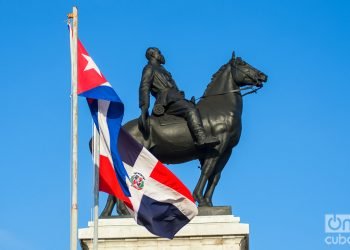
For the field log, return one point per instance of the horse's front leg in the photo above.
(215, 177)
(207, 170)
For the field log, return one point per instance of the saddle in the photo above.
(159, 115)
(166, 119)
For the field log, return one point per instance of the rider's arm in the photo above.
(145, 86)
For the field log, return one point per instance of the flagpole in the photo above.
(96, 184)
(74, 163)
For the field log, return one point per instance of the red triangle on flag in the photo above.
(89, 75)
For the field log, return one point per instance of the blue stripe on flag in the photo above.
(114, 119)
(93, 105)
(162, 219)
(103, 93)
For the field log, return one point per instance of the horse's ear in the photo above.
(233, 58)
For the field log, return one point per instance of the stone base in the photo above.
(202, 233)
(217, 210)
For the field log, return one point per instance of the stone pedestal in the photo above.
(202, 233)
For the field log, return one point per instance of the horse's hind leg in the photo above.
(215, 177)
(121, 208)
(107, 211)
(207, 170)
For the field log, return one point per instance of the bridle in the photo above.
(253, 88)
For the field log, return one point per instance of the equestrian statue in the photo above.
(179, 130)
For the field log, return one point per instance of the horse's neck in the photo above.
(222, 82)
(220, 91)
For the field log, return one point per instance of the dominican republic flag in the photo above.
(155, 197)
(159, 200)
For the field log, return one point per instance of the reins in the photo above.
(254, 89)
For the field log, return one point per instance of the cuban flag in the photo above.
(107, 111)
(155, 197)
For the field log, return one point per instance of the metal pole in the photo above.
(74, 163)
(96, 185)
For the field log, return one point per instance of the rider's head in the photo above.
(154, 53)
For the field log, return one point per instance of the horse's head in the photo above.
(233, 75)
(245, 74)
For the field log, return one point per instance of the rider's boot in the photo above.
(195, 124)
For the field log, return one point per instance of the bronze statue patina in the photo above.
(169, 99)
(170, 139)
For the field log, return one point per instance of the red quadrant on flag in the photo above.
(166, 177)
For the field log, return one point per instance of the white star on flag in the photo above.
(91, 65)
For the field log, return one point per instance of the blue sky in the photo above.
(292, 164)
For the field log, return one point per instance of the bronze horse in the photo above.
(221, 108)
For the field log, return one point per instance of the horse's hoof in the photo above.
(203, 203)
(105, 214)
(195, 197)
(122, 210)
(209, 202)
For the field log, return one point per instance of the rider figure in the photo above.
(159, 82)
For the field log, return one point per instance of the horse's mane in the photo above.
(215, 76)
